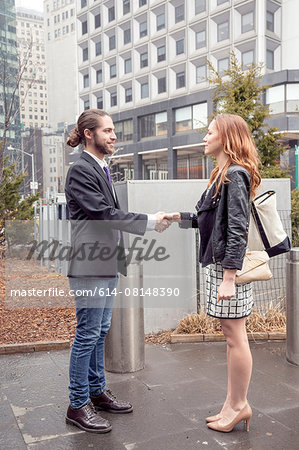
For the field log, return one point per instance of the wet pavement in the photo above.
(180, 385)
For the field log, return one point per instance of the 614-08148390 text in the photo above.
(127, 292)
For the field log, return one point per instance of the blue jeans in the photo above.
(87, 375)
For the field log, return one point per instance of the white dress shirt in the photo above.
(151, 218)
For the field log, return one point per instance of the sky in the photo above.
(30, 4)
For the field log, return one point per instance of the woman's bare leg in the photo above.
(239, 365)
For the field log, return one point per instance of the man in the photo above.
(97, 223)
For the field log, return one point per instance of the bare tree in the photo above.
(10, 81)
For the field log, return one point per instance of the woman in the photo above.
(223, 219)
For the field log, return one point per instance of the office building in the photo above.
(61, 62)
(8, 76)
(144, 61)
(33, 89)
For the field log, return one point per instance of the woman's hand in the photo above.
(227, 288)
(173, 217)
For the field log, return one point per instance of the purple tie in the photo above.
(110, 182)
(108, 175)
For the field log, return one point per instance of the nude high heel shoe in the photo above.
(213, 418)
(245, 414)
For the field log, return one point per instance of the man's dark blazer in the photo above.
(96, 222)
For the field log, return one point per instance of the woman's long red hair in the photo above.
(238, 144)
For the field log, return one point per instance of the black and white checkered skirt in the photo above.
(235, 308)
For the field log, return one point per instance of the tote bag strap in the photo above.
(260, 226)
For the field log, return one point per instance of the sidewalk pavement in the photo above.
(180, 385)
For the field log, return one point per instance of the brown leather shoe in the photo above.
(108, 402)
(87, 419)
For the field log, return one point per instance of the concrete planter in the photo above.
(199, 337)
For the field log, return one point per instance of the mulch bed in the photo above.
(41, 319)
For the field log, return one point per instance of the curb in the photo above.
(198, 337)
(38, 346)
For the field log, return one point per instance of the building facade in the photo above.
(145, 62)
(53, 161)
(33, 88)
(31, 142)
(8, 76)
(61, 62)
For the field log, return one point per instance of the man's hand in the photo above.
(161, 222)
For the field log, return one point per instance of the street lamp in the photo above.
(33, 183)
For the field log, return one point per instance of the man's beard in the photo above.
(105, 149)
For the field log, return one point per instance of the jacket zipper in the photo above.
(213, 255)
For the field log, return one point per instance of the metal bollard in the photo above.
(124, 344)
(292, 280)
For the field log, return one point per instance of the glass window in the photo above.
(270, 59)
(85, 54)
(201, 39)
(247, 22)
(84, 27)
(86, 80)
(143, 60)
(143, 29)
(219, 2)
(86, 105)
(99, 76)
(247, 58)
(153, 125)
(160, 21)
(98, 48)
(179, 13)
(180, 80)
(201, 73)
(142, 2)
(180, 47)
(275, 99)
(83, 3)
(161, 124)
(161, 53)
(222, 66)
(161, 85)
(97, 20)
(113, 99)
(200, 115)
(200, 6)
(270, 21)
(183, 119)
(127, 36)
(124, 130)
(293, 97)
(118, 130)
(191, 117)
(111, 14)
(112, 42)
(113, 71)
(100, 102)
(128, 95)
(126, 6)
(222, 31)
(128, 65)
(128, 130)
(144, 90)
(147, 126)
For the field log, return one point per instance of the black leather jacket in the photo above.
(223, 220)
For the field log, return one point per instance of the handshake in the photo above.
(164, 220)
